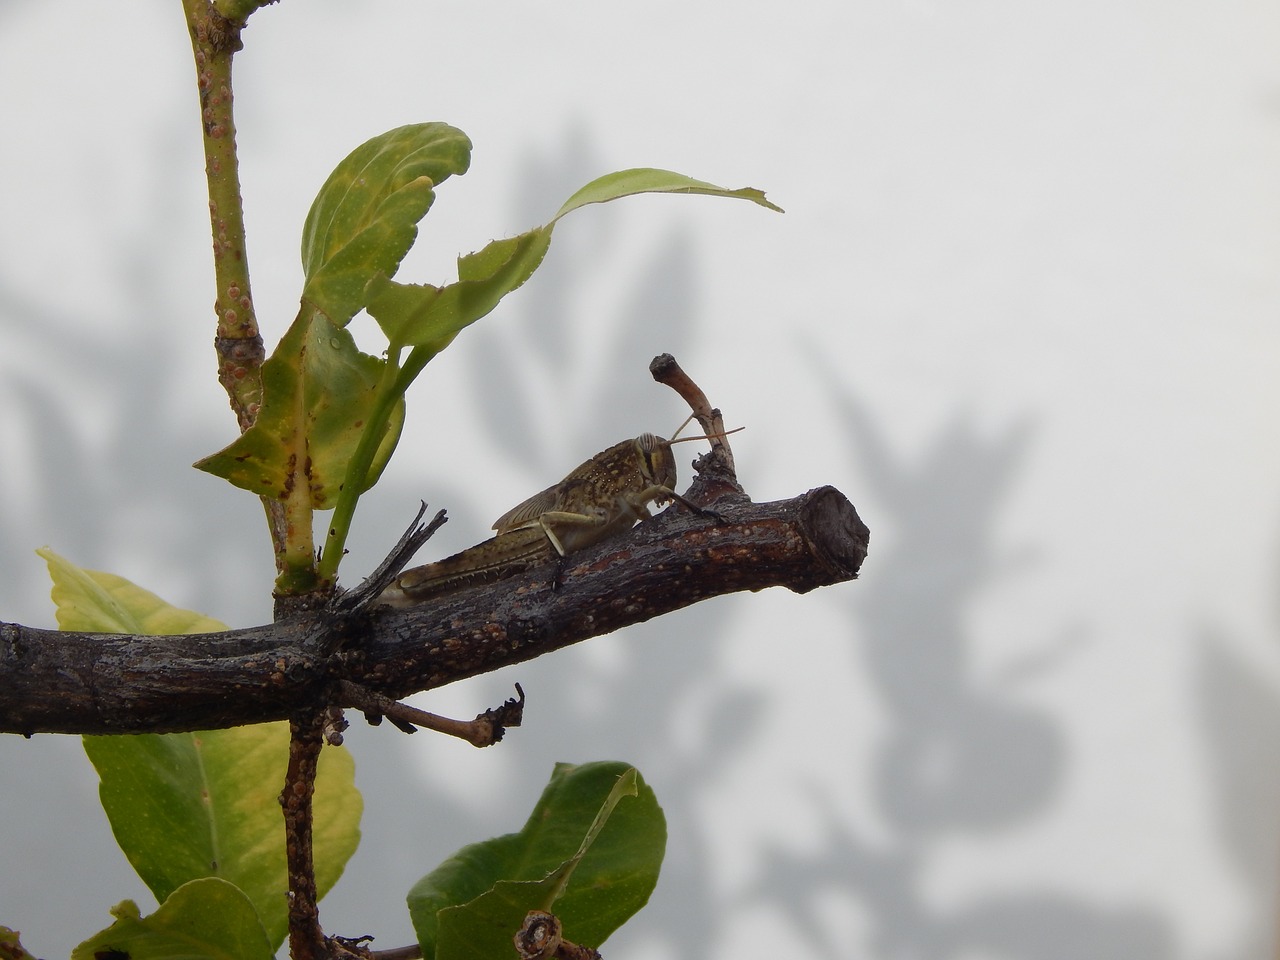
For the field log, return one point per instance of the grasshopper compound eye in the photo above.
(659, 465)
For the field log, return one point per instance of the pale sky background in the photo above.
(1022, 310)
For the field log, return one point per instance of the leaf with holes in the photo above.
(425, 315)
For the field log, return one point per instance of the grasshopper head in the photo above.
(657, 465)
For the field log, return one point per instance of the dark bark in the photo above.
(307, 734)
(87, 683)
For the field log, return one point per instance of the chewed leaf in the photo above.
(431, 316)
(626, 183)
(425, 315)
(364, 219)
(319, 390)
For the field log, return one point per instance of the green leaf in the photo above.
(625, 183)
(188, 805)
(583, 854)
(319, 390)
(89, 601)
(203, 920)
(429, 316)
(364, 219)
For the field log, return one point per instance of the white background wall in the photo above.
(1021, 310)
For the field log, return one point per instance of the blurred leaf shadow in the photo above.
(958, 756)
(1240, 717)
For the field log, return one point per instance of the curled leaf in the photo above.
(364, 219)
(626, 183)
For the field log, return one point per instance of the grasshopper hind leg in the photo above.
(557, 575)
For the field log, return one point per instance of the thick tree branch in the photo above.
(56, 682)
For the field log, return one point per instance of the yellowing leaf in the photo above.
(90, 601)
(186, 806)
(319, 392)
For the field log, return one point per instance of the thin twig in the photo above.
(411, 952)
(238, 342)
(410, 542)
(666, 371)
(485, 730)
(307, 734)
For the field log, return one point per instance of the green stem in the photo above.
(215, 38)
(214, 41)
(353, 482)
(296, 563)
(395, 382)
(419, 357)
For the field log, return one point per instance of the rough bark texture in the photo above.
(54, 682)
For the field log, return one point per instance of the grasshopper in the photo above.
(604, 497)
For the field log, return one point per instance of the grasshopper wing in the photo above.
(531, 509)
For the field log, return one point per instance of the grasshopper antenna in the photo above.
(681, 427)
(709, 436)
(713, 437)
